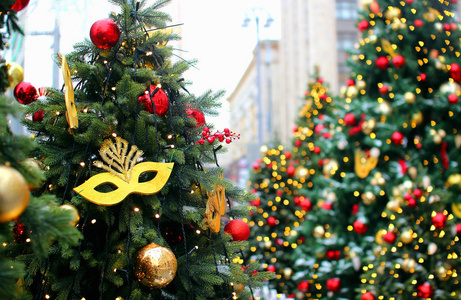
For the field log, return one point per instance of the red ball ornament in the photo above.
(350, 120)
(38, 116)
(455, 72)
(160, 99)
(333, 285)
(417, 193)
(423, 76)
(197, 115)
(458, 229)
(389, 237)
(317, 150)
(383, 89)
(418, 23)
(409, 2)
(397, 138)
(104, 34)
(368, 296)
(271, 221)
(350, 82)
(382, 62)
(359, 227)
(25, 93)
(287, 154)
(363, 25)
(303, 286)
(20, 5)
(238, 229)
(452, 99)
(412, 202)
(333, 254)
(425, 290)
(271, 268)
(439, 220)
(298, 143)
(447, 27)
(305, 204)
(291, 170)
(398, 61)
(256, 202)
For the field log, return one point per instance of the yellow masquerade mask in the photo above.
(124, 174)
(364, 165)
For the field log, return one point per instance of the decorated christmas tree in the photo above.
(128, 146)
(28, 224)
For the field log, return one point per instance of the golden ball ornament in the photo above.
(368, 198)
(454, 179)
(393, 205)
(287, 273)
(385, 108)
(302, 172)
(15, 74)
(409, 97)
(437, 139)
(318, 232)
(379, 237)
(450, 88)
(238, 288)
(155, 266)
(14, 194)
(413, 172)
(361, 84)
(392, 13)
(368, 126)
(330, 167)
(406, 237)
(417, 117)
(37, 168)
(409, 265)
(351, 92)
(74, 213)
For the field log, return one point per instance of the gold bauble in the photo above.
(442, 273)
(155, 266)
(379, 237)
(437, 139)
(409, 265)
(330, 167)
(392, 13)
(368, 126)
(301, 172)
(409, 97)
(15, 74)
(385, 108)
(14, 194)
(450, 88)
(74, 211)
(318, 232)
(454, 179)
(287, 273)
(238, 288)
(393, 205)
(351, 92)
(417, 117)
(413, 172)
(407, 237)
(361, 84)
(38, 168)
(368, 198)
(432, 248)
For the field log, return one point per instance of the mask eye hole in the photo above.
(147, 176)
(106, 187)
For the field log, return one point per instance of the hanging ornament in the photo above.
(15, 74)
(406, 237)
(363, 164)
(155, 266)
(368, 296)
(409, 265)
(455, 72)
(20, 5)
(452, 99)
(303, 286)
(25, 93)
(382, 62)
(350, 120)
(389, 237)
(360, 227)
(374, 7)
(124, 173)
(37, 168)
(439, 220)
(450, 87)
(19, 232)
(368, 198)
(74, 212)
(38, 116)
(409, 97)
(398, 61)
(333, 285)
(226, 135)
(215, 208)
(14, 194)
(379, 237)
(432, 248)
(363, 25)
(271, 221)
(397, 138)
(71, 110)
(238, 287)
(318, 232)
(159, 103)
(197, 115)
(291, 170)
(392, 13)
(425, 290)
(330, 167)
(238, 229)
(104, 34)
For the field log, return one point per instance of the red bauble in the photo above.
(160, 99)
(256, 202)
(409, 2)
(333, 254)
(25, 93)
(287, 154)
(447, 27)
(383, 89)
(458, 229)
(389, 237)
(20, 5)
(291, 171)
(417, 193)
(238, 229)
(412, 202)
(382, 62)
(350, 120)
(418, 23)
(38, 116)
(363, 25)
(317, 150)
(452, 99)
(306, 204)
(397, 138)
(318, 128)
(271, 268)
(104, 34)
(350, 82)
(439, 220)
(333, 285)
(455, 72)
(303, 286)
(327, 205)
(298, 143)
(425, 290)
(255, 166)
(359, 227)
(271, 221)
(197, 115)
(423, 76)
(368, 296)
(398, 61)
(19, 232)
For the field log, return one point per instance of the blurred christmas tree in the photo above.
(28, 224)
(129, 149)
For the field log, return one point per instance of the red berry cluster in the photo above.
(210, 137)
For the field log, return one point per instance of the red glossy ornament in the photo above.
(439, 220)
(318, 128)
(398, 61)
(333, 285)
(327, 205)
(389, 237)
(374, 7)
(383, 89)
(458, 229)
(412, 202)
(350, 82)
(425, 290)
(417, 193)
(20, 5)
(271, 268)
(455, 72)
(350, 120)
(363, 25)
(317, 150)
(25, 93)
(298, 143)
(238, 229)
(160, 99)
(418, 23)
(447, 27)
(291, 171)
(332, 255)
(303, 286)
(409, 2)
(271, 221)
(256, 202)
(305, 204)
(38, 116)
(423, 76)
(255, 166)
(368, 296)
(382, 62)
(397, 138)
(287, 154)
(452, 99)
(359, 227)
(197, 115)
(104, 34)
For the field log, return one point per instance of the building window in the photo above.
(346, 41)
(346, 9)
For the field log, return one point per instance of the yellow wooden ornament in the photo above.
(364, 165)
(123, 173)
(215, 208)
(71, 110)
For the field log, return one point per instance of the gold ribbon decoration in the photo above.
(215, 208)
(363, 164)
(123, 173)
(387, 47)
(71, 110)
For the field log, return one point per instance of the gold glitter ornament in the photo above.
(409, 97)
(15, 74)
(74, 210)
(14, 194)
(318, 232)
(155, 266)
(407, 237)
(409, 265)
(238, 288)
